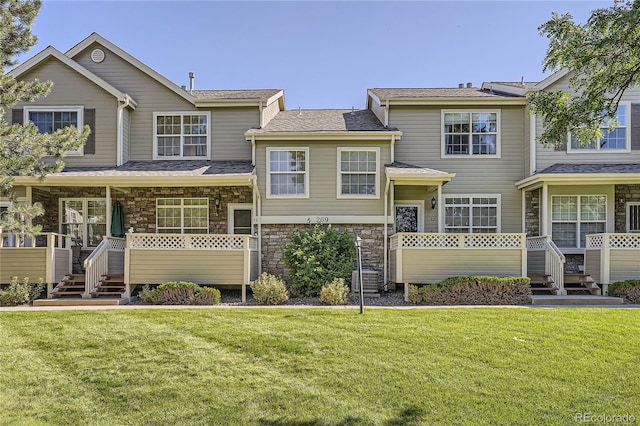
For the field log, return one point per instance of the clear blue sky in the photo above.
(323, 54)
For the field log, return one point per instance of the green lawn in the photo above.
(318, 366)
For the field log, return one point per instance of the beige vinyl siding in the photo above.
(228, 126)
(592, 264)
(625, 264)
(116, 262)
(72, 89)
(536, 262)
(62, 257)
(199, 266)
(22, 262)
(322, 168)
(378, 110)
(423, 266)
(421, 145)
(269, 112)
(547, 155)
(126, 135)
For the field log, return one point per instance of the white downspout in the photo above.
(260, 108)
(386, 238)
(532, 142)
(393, 149)
(120, 134)
(386, 114)
(257, 208)
(109, 218)
(253, 150)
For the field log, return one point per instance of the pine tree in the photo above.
(23, 150)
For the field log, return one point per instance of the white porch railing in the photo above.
(97, 264)
(191, 241)
(612, 257)
(554, 260)
(477, 241)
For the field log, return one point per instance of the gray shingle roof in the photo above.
(164, 168)
(563, 168)
(323, 121)
(218, 95)
(472, 92)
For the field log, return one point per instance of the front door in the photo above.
(408, 217)
(240, 219)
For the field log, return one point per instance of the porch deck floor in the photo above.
(78, 301)
(576, 300)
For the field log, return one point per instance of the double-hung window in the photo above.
(49, 119)
(573, 217)
(358, 172)
(182, 215)
(611, 141)
(181, 135)
(470, 133)
(472, 214)
(288, 172)
(84, 219)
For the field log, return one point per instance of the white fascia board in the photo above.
(503, 88)
(277, 97)
(97, 38)
(457, 101)
(338, 136)
(54, 53)
(373, 96)
(551, 79)
(579, 179)
(134, 181)
(420, 179)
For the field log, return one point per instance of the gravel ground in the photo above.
(392, 298)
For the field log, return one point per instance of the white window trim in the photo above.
(180, 157)
(498, 198)
(443, 149)
(79, 109)
(597, 150)
(181, 207)
(85, 208)
(306, 171)
(627, 214)
(339, 173)
(231, 207)
(410, 203)
(577, 248)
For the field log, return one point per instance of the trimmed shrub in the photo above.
(269, 290)
(180, 293)
(316, 255)
(629, 290)
(474, 290)
(335, 293)
(21, 293)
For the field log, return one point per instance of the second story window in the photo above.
(48, 119)
(287, 172)
(358, 172)
(181, 136)
(616, 140)
(470, 133)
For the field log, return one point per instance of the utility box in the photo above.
(370, 281)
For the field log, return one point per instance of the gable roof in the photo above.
(551, 79)
(438, 96)
(594, 173)
(325, 123)
(52, 52)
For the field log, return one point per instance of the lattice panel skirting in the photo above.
(191, 241)
(410, 240)
(536, 243)
(624, 241)
(595, 241)
(493, 241)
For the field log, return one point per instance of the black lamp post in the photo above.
(358, 248)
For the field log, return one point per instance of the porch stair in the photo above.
(543, 284)
(110, 285)
(581, 283)
(72, 285)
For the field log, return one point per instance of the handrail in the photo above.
(97, 264)
(52, 239)
(192, 241)
(554, 262)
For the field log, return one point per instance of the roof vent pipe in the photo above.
(469, 85)
(192, 77)
(460, 85)
(183, 87)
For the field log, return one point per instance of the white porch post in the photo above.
(544, 210)
(29, 200)
(440, 209)
(108, 190)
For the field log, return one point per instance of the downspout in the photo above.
(386, 238)
(120, 135)
(257, 208)
(532, 142)
(386, 114)
(393, 148)
(260, 108)
(253, 150)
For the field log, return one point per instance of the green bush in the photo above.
(180, 293)
(316, 255)
(335, 293)
(21, 293)
(269, 290)
(629, 290)
(473, 290)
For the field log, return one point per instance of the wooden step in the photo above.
(113, 275)
(111, 286)
(67, 293)
(71, 286)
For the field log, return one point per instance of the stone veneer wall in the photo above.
(623, 195)
(275, 237)
(532, 212)
(139, 204)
